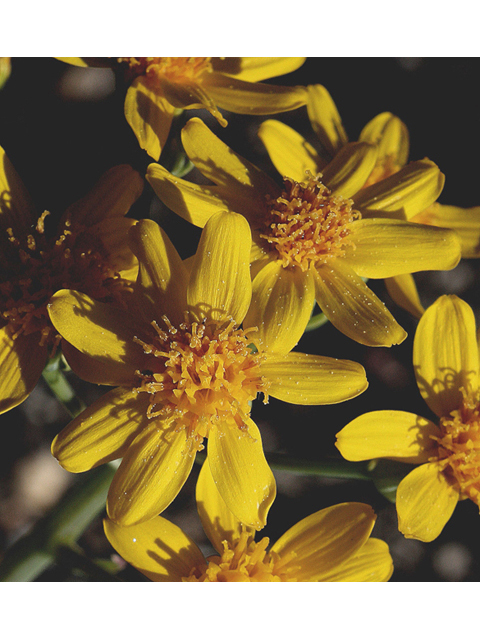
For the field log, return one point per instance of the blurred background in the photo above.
(62, 127)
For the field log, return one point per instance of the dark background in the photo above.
(63, 127)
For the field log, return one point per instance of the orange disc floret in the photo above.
(307, 224)
(201, 375)
(245, 561)
(459, 447)
(36, 266)
(178, 70)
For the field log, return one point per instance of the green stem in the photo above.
(31, 555)
(316, 321)
(60, 387)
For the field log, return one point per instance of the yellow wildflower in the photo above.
(316, 239)
(158, 86)
(186, 371)
(292, 155)
(86, 252)
(446, 361)
(332, 545)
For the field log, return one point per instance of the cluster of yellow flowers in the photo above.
(188, 344)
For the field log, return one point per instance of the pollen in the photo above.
(201, 376)
(307, 224)
(178, 70)
(459, 447)
(246, 561)
(34, 267)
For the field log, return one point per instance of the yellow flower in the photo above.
(186, 372)
(158, 86)
(292, 155)
(316, 239)
(5, 70)
(446, 361)
(86, 252)
(332, 545)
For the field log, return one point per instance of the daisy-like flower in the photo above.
(332, 545)
(186, 371)
(315, 239)
(446, 361)
(158, 86)
(292, 155)
(86, 252)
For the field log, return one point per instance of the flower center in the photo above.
(177, 70)
(33, 268)
(201, 375)
(244, 562)
(459, 446)
(307, 225)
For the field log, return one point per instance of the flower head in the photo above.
(446, 362)
(318, 236)
(158, 86)
(85, 252)
(187, 370)
(292, 155)
(332, 545)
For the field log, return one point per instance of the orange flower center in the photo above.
(459, 446)
(246, 561)
(201, 376)
(177, 70)
(33, 268)
(307, 225)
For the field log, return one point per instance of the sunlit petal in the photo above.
(390, 134)
(325, 119)
(256, 69)
(425, 502)
(466, 222)
(373, 563)
(403, 291)
(445, 354)
(16, 207)
(349, 170)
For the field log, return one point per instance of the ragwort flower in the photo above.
(332, 545)
(186, 371)
(315, 239)
(86, 252)
(446, 360)
(292, 155)
(158, 86)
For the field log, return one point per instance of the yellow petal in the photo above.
(466, 222)
(154, 469)
(21, 361)
(220, 286)
(157, 548)
(162, 276)
(87, 62)
(241, 473)
(16, 210)
(195, 203)
(102, 432)
(326, 539)
(404, 194)
(113, 233)
(190, 95)
(390, 134)
(445, 354)
(218, 521)
(373, 563)
(388, 434)
(256, 69)
(99, 330)
(301, 378)
(403, 291)
(425, 502)
(353, 308)
(223, 166)
(290, 153)
(149, 114)
(107, 372)
(252, 98)
(282, 303)
(111, 197)
(385, 248)
(325, 119)
(349, 170)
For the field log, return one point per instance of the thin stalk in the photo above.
(60, 387)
